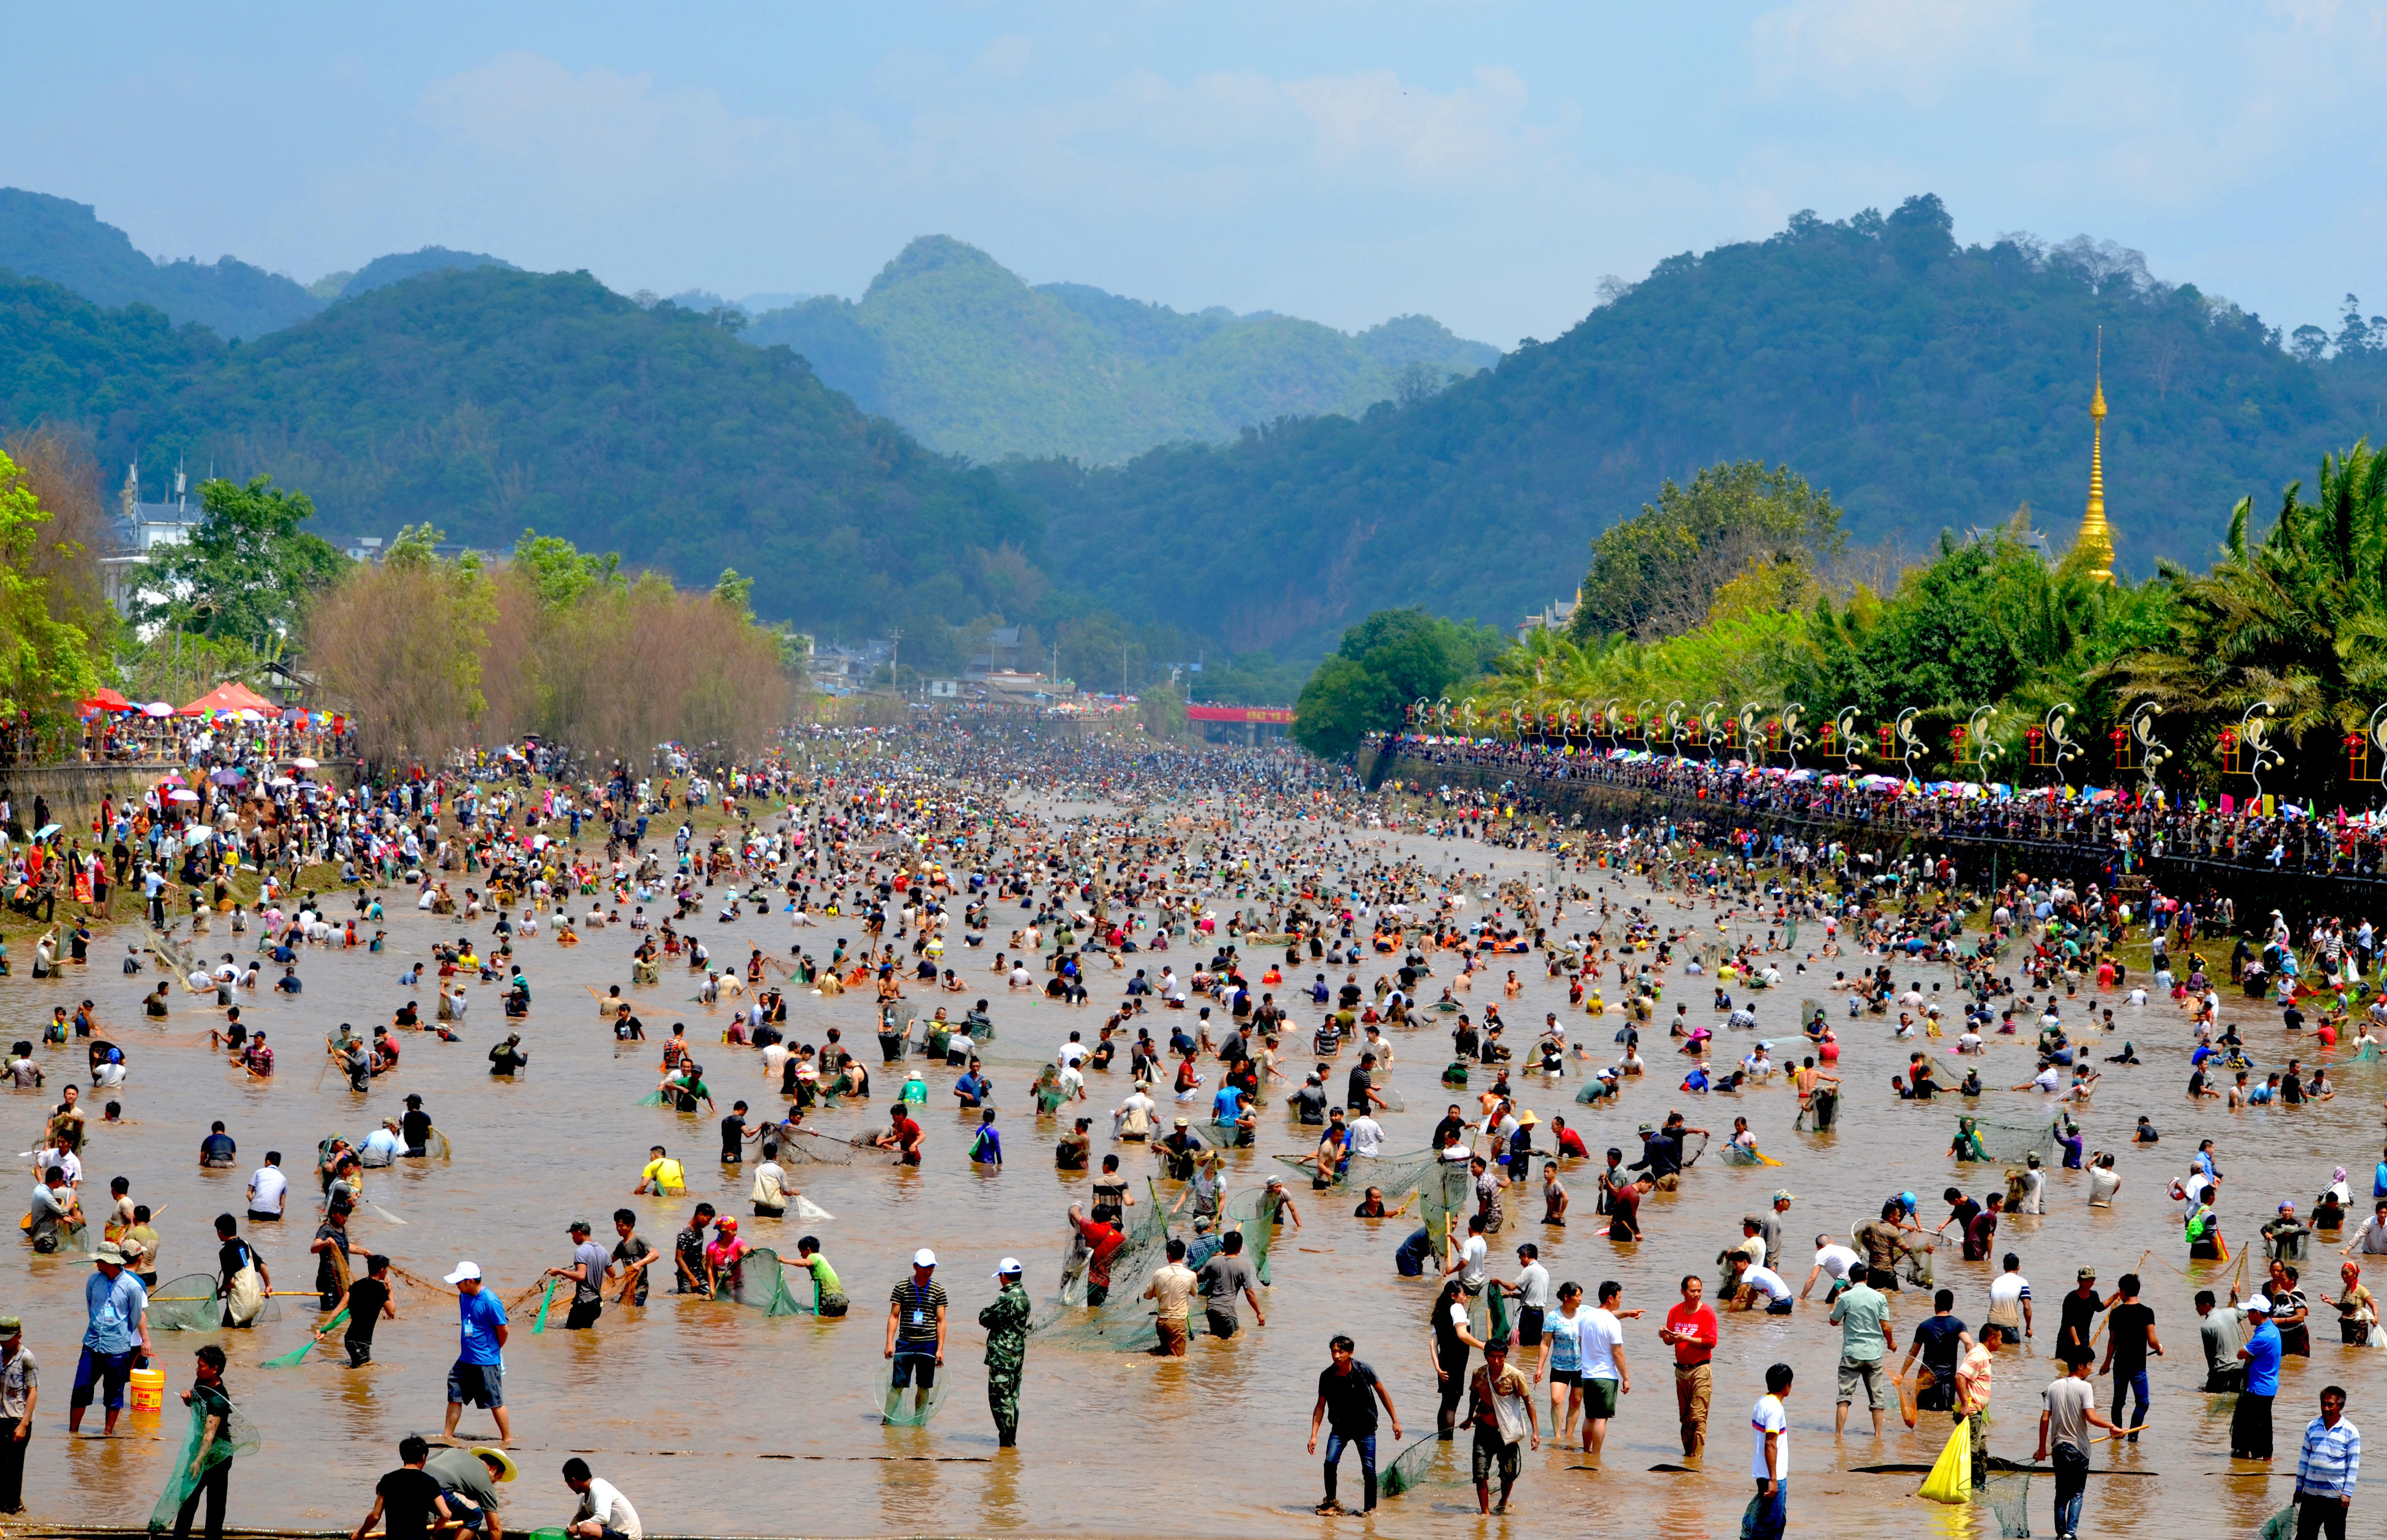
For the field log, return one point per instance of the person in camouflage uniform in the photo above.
(1006, 1351)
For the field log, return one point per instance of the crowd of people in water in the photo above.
(1255, 940)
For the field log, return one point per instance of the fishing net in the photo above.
(1487, 1314)
(1444, 1198)
(761, 1282)
(819, 1149)
(2280, 1526)
(651, 1099)
(437, 1148)
(297, 1355)
(1429, 1459)
(190, 1303)
(1398, 1175)
(1123, 1321)
(1694, 1146)
(2012, 1142)
(2008, 1498)
(237, 1436)
(1050, 1092)
(1739, 1155)
(1254, 1215)
(912, 1406)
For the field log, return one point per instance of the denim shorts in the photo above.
(111, 1371)
(482, 1384)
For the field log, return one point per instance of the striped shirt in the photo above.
(2332, 1459)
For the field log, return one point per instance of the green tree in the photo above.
(561, 574)
(1341, 703)
(46, 663)
(1657, 575)
(734, 592)
(2297, 619)
(1385, 662)
(248, 569)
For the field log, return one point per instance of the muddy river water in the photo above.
(716, 1420)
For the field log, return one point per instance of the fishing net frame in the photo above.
(190, 1303)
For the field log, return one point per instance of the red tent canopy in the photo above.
(106, 700)
(232, 696)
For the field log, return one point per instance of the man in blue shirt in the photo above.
(118, 1307)
(479, 1373)
(2250, 1426)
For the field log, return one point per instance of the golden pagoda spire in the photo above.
(2097, 536)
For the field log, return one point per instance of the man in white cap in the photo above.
(479, 1373)
(916, 1331)
(1006, 1351)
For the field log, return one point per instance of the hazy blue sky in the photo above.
(1483, 162)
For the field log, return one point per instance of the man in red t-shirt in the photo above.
(1569, 1141)
(1691, 1331)
(902, 1136)
(1102, 1240)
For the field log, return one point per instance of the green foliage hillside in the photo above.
(489, 401)
(66, 242)
(958, 350)
(1924, 385)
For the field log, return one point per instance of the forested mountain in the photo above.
(382, 271)
(1926, 386)
(66, 242)
(487, 401)
(958, 350)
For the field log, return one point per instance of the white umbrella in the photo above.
(304, 763)
(158, 708)
(283, 780)
(249, 714)
(183, 795)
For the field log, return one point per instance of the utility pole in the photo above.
(894, 655)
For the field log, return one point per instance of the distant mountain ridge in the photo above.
(383, 271)
(1928, 386)
(976, 362)
(487, 401)
(65, 242)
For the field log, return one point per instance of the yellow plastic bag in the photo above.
(1950, 1479)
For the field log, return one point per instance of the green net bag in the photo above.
(238, 1436)
(190, 1303)
(1254, 1215)
(910, 1407)
(760, 1283)
(1428, 1460)
(1445, 1198)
